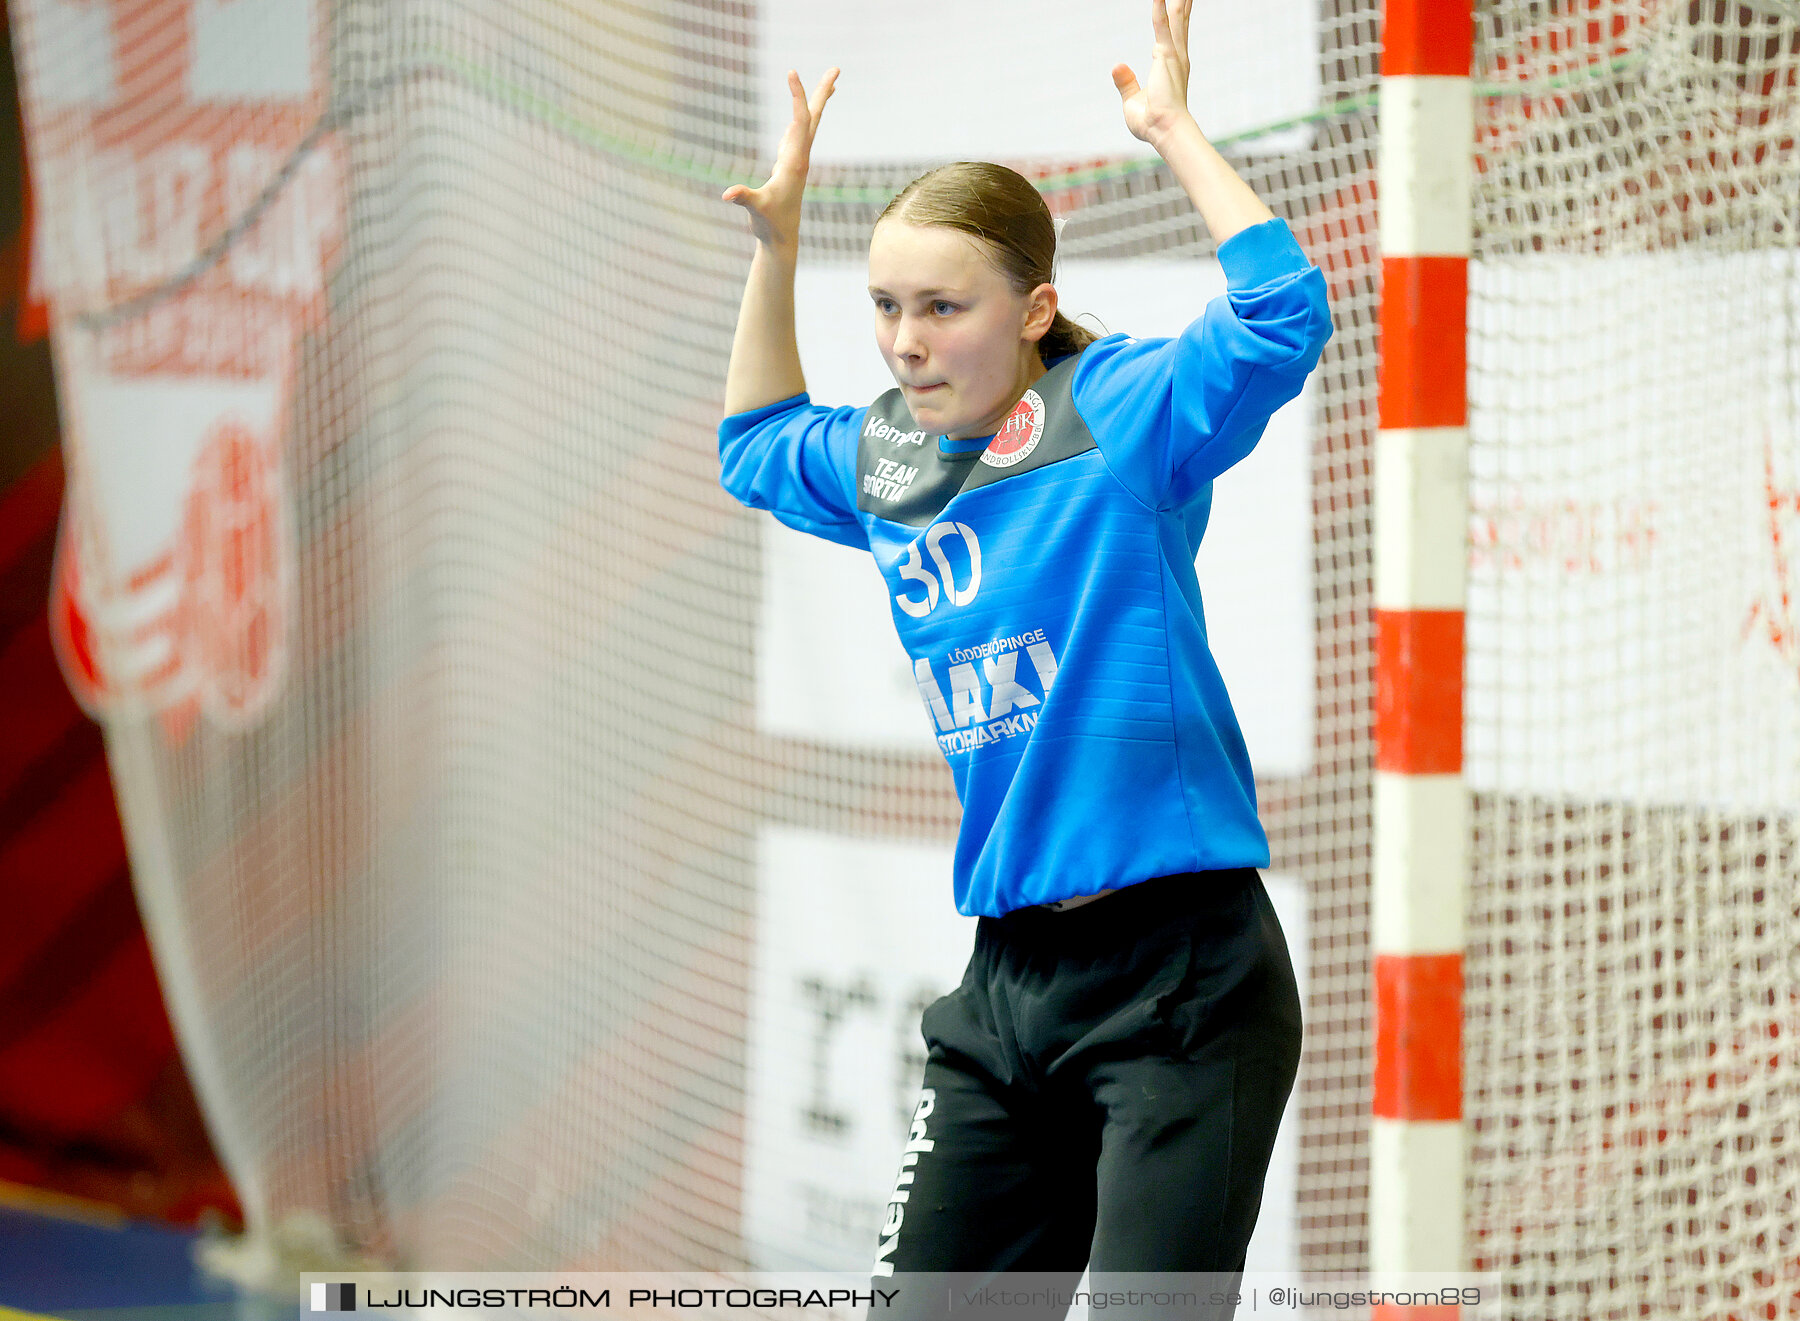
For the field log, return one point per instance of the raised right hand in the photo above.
(775, 207)
(1153, 111)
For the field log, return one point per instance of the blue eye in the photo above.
(940, 303)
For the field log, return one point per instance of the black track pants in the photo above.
(1103, 1089)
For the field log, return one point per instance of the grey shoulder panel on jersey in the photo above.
(902, 477)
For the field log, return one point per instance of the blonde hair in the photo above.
(1001, 208)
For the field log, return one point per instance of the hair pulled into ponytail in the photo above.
(1000, 207)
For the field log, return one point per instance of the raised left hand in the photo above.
(1151, 111)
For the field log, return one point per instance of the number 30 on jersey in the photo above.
(941, 583)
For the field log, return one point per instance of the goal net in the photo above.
(1633, 718)
(547, 860)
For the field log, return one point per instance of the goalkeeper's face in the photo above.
(960, 340)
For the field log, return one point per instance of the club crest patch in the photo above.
(1018, 435)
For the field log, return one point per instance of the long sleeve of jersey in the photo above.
(1184, 410)
(1042, 581)
(798, 462)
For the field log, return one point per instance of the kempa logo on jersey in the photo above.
(1018, 435)
(878, 429)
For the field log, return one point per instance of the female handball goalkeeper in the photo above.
(1105, 1085)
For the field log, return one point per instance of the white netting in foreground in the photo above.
(1633, 727)
(478, 833)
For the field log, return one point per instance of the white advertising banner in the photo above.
(908, 94)
(1634, 592)
(173, 466)
(1275, 1244)
(188, 217)
(854, 937)
(830, 667)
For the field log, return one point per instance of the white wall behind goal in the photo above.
(1004, 87)
(829, 665)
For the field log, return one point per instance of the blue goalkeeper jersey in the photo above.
(1042, 582)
